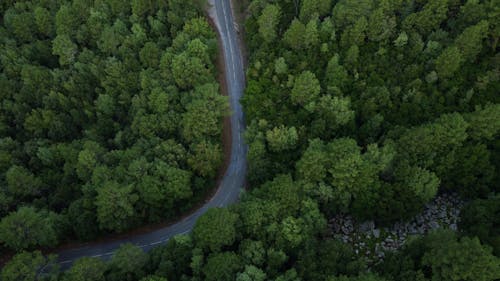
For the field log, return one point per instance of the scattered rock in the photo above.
(443, 211)
(366, 226)
(433, 225)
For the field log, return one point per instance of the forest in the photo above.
(110, 117)
(371, 108)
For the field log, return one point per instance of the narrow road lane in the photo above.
(234, 178)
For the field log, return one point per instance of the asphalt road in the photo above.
(233, 180)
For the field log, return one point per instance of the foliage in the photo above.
(443, 256)
(386, 99)
(27, 228)
(368, 107)
(86, 269)
(127, 263)
(215, 229)
(480, 218)
(24, 266)
(111, 116)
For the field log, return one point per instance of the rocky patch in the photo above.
(372, 241)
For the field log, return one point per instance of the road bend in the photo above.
(233, 180)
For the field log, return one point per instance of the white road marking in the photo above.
(232, 60)
(224, 9)
(102, 255)
(231, 48)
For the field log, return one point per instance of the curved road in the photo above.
(232, 183)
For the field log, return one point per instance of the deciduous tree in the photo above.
(215, 229)
(115, 206)
(268, 22)
(28, 228)
(86, 269)
(306, 89)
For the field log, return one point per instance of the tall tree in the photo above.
(465, 259)
(22, 183)
(115, 206)
(309, 9)
(282, 138)
(470, 42)
(215, 229)
(127, 263)
(28, 228)
(25, 266)
(222, 267)
(268, 22)
(65, 49)
(306, 89)
(448, 62)
(86, 269)
(295, 35)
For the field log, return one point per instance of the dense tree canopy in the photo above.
(367, 108)
(215, 229)
(385, 98)
(110, 116)
(27, 228)
(443, 256)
